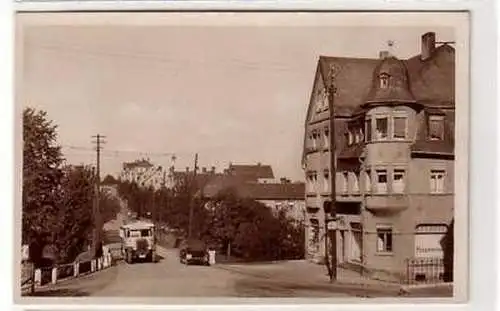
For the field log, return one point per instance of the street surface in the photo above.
(169, 278)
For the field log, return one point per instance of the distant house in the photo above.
(202, 178)
(143, 172)
(252, 173)
(277, 196)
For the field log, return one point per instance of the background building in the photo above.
(144, 173)
(394, 136)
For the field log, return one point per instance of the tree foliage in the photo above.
(234, 226)
(41, 180)
(57, 199)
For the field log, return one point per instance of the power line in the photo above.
(177, 63)
(169, 154)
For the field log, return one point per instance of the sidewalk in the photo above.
(304, 272)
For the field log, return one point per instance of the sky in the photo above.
(229, 93)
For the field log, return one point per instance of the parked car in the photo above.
(193, 251)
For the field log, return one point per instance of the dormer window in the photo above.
(384, 80)
(436, 127)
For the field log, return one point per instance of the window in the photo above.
(326, 184)
(312, 137)
(381, 128)
(398, 181)
(368, 130)
(381, 181)
(399, 124)
(361, 135)
(311, 180)
(345, 182)
(436, 127)
(384, 81)
(327, 139)
(357, 137)
(355, 183)
(349, 137)
(437, 181)
(384, 239)
(368, 181)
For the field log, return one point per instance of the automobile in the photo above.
(193, 251)
(138, 241)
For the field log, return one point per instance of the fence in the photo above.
(52, 275)
(425, 271)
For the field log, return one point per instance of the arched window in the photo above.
(384, 80)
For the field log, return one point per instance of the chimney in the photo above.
(383, 54)
(428, 45)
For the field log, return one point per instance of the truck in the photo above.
(138, 241)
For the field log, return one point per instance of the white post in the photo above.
(76, 268)
(99, 263)
(211, 257)
(92, 265)
(54, 275)
(38, 277)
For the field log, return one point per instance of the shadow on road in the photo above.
(253, 287)
(60, 292)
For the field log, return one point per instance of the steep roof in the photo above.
(252, 172)
(256, 191)
(431, 81)
(431, 85)
(274, 191)
(137, 163)
(352, 81)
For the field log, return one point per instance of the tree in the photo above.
(41, 181)
(75, 206)
(57, 201)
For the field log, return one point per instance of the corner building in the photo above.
(394, 136)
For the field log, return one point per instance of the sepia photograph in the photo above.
(242, 155)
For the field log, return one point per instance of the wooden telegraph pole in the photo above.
(333, 172)
(96, 241)
(192, 187)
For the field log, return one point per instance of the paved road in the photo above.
(170, 278)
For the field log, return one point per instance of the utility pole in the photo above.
(99, 140)
(333, 172)
(163, 201)
(192, 188)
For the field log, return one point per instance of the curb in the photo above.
(409, 288)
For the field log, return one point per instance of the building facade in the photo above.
(144, 173)
(394, 155)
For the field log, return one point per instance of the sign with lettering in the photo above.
(428, 245)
